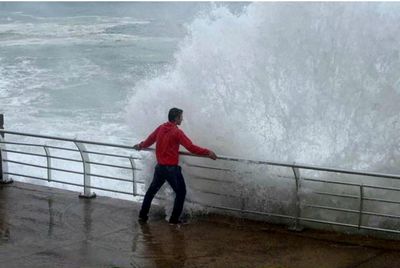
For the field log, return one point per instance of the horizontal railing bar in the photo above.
(207, 167)
(109, 165)
(33, 177)
(39, 145)
(69, 159)
(381, 214)
(209, 192)
(65, 139)
(45, 167)
(61, 148)
(21, 143)
(23, 175)
(380, 229)
(351, 172)
(20, 152)
(109, 190)
(38, 178)
(381, 187)
(108, 177)
(68, 183)
(310, 167)
(245, 211)
(332, 208)
(381, 200)
(338, 195)
(350, 225)
(51, 156)
(354, 184)
(42, 155)
(332, 182)
(63, 170)
(66, 170)
(259, 213)
(209, 179)
(113, 155)
(329, 222)
(75, 150)
(24, 163)
(247, 161)
(66, 159)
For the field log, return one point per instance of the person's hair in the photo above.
(173, 114)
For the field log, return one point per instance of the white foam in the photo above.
(271, 84)
(286, 82)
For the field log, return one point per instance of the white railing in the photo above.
(296, 217)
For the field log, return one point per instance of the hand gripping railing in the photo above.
(297, 218)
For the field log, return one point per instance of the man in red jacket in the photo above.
(168, 137)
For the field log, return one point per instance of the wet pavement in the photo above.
(47, 227)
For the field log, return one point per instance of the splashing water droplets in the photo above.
(287, 82)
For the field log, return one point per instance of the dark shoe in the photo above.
(142, 220)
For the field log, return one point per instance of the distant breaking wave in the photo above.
(62, 31)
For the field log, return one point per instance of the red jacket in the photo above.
(168, 137)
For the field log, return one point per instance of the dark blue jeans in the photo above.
(173, 175)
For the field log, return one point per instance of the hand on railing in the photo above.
(212, 155)
(137, 147)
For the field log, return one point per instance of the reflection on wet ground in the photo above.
(45, 227)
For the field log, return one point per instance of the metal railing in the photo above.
(297, 218)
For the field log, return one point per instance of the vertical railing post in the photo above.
(134, 190)
(4, 178)
(361, 206)
(87, 192)
(243, 201)
(297, 226)
(51, 217)
(48, 158)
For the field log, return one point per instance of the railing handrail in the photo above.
(221, 157)
(64, 139)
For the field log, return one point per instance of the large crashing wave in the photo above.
(316, 83)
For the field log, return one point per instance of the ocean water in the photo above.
(69, 68)
(315, 83)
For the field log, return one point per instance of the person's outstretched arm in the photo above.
(151, 139)
(188, 144)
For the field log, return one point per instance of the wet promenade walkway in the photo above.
(45, 227)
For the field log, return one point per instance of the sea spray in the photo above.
(284, 81)
(314, 83)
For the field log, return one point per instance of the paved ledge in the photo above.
(47, 227)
